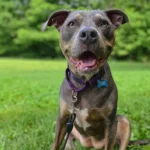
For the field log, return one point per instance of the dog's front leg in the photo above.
(110, 135)
(60, 132)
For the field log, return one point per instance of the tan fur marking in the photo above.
(123, 132)
(109, 43)
(78, 16)
(64, 109)
(98, 16)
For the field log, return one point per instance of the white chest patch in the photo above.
(81, 116)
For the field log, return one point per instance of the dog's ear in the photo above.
(56, 19)
(117, 17)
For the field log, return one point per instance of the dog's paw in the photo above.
(70, 146)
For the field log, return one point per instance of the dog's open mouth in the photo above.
(88, 61)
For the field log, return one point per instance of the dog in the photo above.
(89, 91)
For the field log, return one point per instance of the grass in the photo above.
(29, 101)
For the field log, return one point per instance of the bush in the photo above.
(133, 39)
(31, 40)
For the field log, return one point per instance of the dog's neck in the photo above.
(78, 84)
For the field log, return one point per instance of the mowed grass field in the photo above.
(29, 92)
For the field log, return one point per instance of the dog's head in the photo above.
(87, 37)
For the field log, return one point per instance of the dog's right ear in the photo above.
(56, 19)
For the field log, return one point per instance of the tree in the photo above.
(21, 22)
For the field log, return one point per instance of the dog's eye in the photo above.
(71, 23)
(103, 23)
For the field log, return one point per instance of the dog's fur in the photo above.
(85, 33)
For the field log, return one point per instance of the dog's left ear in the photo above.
(56, 19)
(117, 17)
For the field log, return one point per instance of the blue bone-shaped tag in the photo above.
(102, 83)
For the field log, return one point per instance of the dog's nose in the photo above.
(88, 35)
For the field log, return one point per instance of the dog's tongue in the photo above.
(88, 59)
(88, 62)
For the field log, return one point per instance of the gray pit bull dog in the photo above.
(87, 39)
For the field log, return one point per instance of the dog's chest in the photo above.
(81, 116)
(89, 118)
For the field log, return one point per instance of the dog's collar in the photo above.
(96, 79)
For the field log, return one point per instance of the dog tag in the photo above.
(102, 83)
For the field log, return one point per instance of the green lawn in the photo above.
(29, 101)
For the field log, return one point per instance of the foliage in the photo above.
(29, 101)
(132, 41)
(21, 22)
